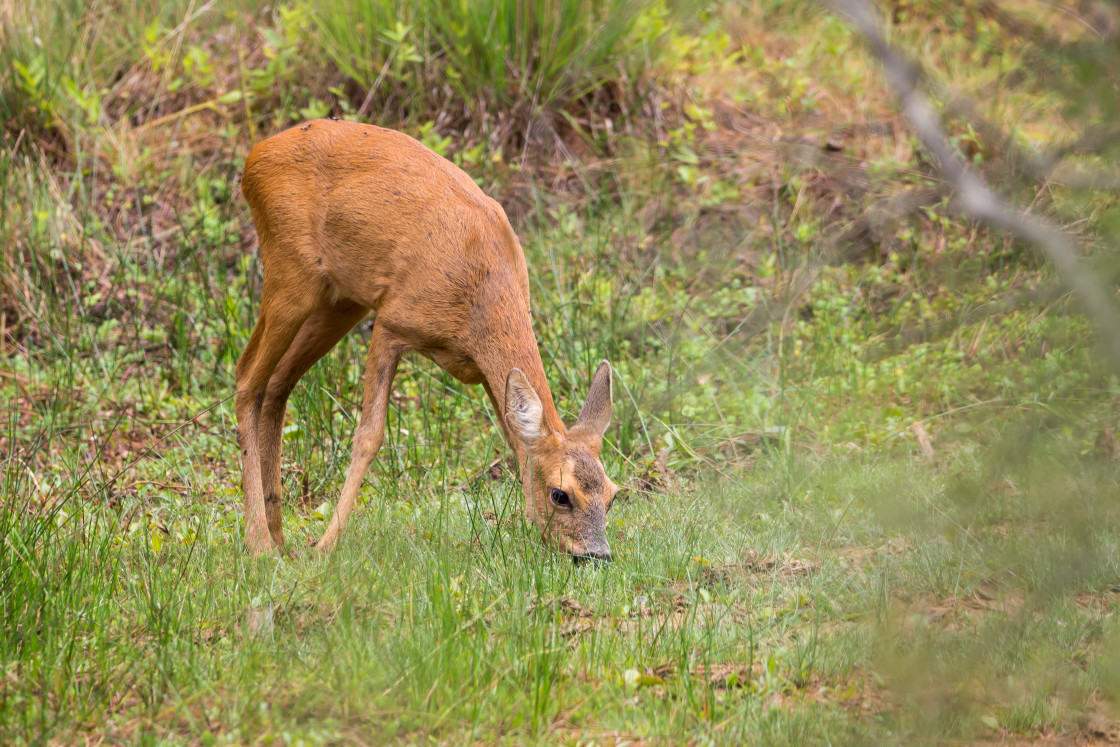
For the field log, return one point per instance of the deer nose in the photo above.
(598, 557)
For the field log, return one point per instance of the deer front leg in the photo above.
(381, 365)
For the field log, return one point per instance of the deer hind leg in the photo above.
(381, 365)
(279, 322)
(319, 333)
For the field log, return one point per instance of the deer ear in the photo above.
(524, 413)
(595, 415)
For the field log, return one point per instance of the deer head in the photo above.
(567, 493)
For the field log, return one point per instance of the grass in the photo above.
(739, 611)
(872, 490)
(533, 57)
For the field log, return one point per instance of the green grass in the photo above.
(792, 565)
(736, 611)
(502, 57)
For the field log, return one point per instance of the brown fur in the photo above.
(351, 219)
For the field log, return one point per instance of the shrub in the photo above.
(520, 57)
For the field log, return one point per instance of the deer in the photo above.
(353, 219)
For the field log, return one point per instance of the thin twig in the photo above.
(973, 196)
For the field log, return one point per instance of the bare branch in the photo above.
(974, 197)
(1042, 166)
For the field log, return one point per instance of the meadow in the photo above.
(869, 445)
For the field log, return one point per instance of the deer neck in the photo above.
(518, 351)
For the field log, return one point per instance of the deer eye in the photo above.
(560, 498)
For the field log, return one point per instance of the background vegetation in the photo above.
(870, 444)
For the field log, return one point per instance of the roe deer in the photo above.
(353, 218)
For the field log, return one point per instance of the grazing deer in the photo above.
(353, 218)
